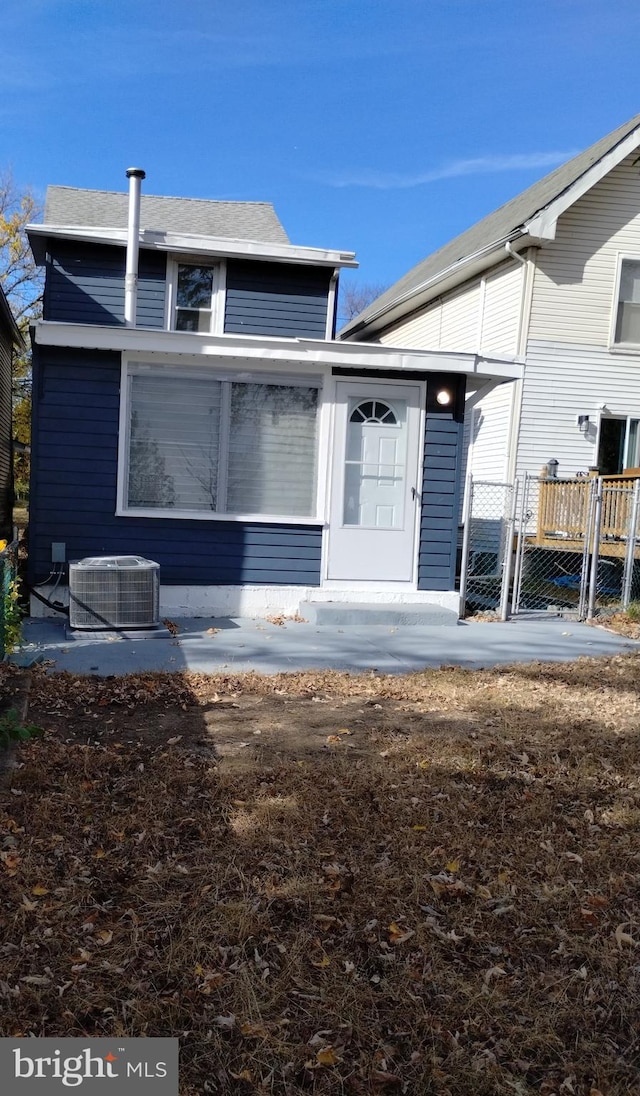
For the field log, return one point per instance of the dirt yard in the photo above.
(332, 884)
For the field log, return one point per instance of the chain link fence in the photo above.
(546, 545)
(488, 517)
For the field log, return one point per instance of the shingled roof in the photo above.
(256, 221)
(506, 223)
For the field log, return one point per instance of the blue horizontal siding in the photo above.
(73, 493)
(278, 300)
(440, 500)
(85, 284)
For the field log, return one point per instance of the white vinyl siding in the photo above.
(561, 382)
(482, 317)
(489, 435)
(199, 444)
(459, 326)
(418, 332)
(576, 275)
(501, 311)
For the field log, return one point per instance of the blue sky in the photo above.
(380, 126)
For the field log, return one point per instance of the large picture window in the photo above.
(203, 445)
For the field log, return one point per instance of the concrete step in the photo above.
(358, 614)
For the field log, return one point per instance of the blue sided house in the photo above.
(192, 406)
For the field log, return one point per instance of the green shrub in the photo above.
(12, 729)
(12, 624)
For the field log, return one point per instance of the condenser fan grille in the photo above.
(114, 592)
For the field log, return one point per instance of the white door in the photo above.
(375, 502)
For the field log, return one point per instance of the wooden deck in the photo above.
(563, 514)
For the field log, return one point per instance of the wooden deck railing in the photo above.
(563, 507)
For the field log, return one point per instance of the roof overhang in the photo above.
(364, 356)
(7, 320)
(542, 227)
(189, 244)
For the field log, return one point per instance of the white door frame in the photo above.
(415, 462)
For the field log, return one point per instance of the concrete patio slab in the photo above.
(221, 644)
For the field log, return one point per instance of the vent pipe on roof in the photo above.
(135, 175)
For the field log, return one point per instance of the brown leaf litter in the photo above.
(325, 883)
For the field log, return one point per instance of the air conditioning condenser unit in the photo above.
(107, 592)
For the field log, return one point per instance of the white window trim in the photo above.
(620, 347)
(254, 372)
(218, 294)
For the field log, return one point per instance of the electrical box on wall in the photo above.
(58, 551)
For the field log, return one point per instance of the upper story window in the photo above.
(627, 329)
(196, 292)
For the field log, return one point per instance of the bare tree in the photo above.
(22, 282)
(21, 278)
(355, 297)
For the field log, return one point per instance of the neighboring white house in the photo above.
(553, 277)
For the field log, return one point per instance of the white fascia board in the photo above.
(296, 351)
(543, 226)
(189, 244)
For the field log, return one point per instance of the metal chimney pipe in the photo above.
(135, 175)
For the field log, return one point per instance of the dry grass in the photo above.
(334, 884)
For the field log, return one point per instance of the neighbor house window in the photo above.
(628, 311)
(202, 445)
(618, 445)
(195, 295)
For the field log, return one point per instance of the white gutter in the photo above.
(135, 175)
(460, 270)
(514, 254)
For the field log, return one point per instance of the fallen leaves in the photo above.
(624, 938)
(450, 904)
(327, 1057)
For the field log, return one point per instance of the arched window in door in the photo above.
(374, 411)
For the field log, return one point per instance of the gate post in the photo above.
(522, 529)
(467, 510)
(508, 563)
(595, 552)
(631, 548)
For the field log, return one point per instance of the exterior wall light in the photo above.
(444, 397)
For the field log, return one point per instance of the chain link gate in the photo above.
(546, 545)
(554, 531)
(577, 546)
